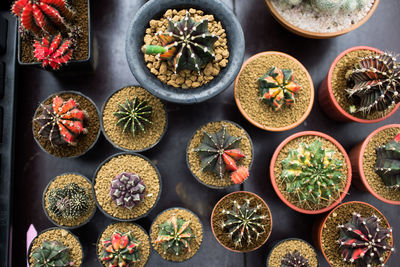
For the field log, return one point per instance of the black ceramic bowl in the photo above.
(153, 10)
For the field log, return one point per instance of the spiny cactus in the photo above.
(62, 122)
(243, 223)
(375, 82)
(127, 190)
(134, 115)
(50, 254)
(311, 174)
(121, 249)
(175, 235)
(43, 16)
(277, 87)
(187, 44)
(290, 3)
(387, 164)
(69, 202)
(219, 152)
(294, 259)
(328, 6)
(363, 241)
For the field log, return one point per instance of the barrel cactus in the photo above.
(294, 259)
(387, 164)
(121, 249)
(51, 253)
(127, 190)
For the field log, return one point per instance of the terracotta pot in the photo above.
(305, 115)
(317, 35)
(320, 223)
(356, 158)
(273, 178)
(328, 102)
(255, 196)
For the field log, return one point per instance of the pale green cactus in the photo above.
(327, 6)
(290, 3)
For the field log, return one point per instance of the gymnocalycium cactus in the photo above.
(121, 249)
(51, 253)
(127, 190)
(277, 87)
(69, 202)
(375, 82)
(134, 115)
(294, 259)
(175, 235)
(187, 44)
(363, 241)
(312, 174)
(387, 164)
(243, 223)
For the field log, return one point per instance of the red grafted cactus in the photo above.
(122, 249)
(54, 51)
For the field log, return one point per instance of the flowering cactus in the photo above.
(127, 190)
(51, 253)
(387, 164)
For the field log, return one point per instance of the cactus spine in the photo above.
(387, 164)
(51, 253)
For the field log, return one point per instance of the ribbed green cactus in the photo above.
(312, 174)
(388, 163)
(51, 254)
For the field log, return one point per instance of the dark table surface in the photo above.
(34, 168)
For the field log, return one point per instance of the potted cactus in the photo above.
(126, 186)
(361, 86)
(187, 49)
(133, 119)
(66, 124)
(274, 91)
(54, 34)
(310, 172)
(220, 154)
(241, 221)
(55, 247)
(375, 164)
(320, 19)
(292, 252)
(123, 244)
(176, 234)
(354, 233)
(68, 200)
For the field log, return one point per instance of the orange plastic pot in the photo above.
(356, 158)
(273, 178)
(328, 101)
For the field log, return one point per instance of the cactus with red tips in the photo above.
(363, 241)
(294, 259)
(121, 249)
(387, 164)
(127, 190)
(278, 88)
(62, 122)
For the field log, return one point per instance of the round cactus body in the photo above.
(327, 6)
(127, 190)
(121, 249)
(350, 6)
(290, 2)
(51, 253)
(387, 164)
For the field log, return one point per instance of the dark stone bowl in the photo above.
(154, 10)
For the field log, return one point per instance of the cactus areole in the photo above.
(387, 164)
(127, 190)
(52, 253)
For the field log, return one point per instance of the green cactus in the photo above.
(311, 173)
(387, 164)
(51, 254)
(289, 3)
(327, 6)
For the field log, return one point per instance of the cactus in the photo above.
(243, 223)
(121, 249)
(127, 190)
(218, 153)
(294, 259)
(289, 3)
(375, 82)
(363, 241)
(51, 253)
(43, 16)
(187, 44)
(62, 122)
(387, 164)
(277, 88)
(69, 202)
(134, 115)
(311, 174)
(175, 235)
(328, 6)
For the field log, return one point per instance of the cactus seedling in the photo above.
(62, 122)
(51, 253)
(363, 241)
(387, 164)
(277, 88)
(134, 115)
(243, 223)
(175, 235)
(127, 190)
(312, 174)
(375, 82)
(294, 259)
(187, 44)
(121, 249)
